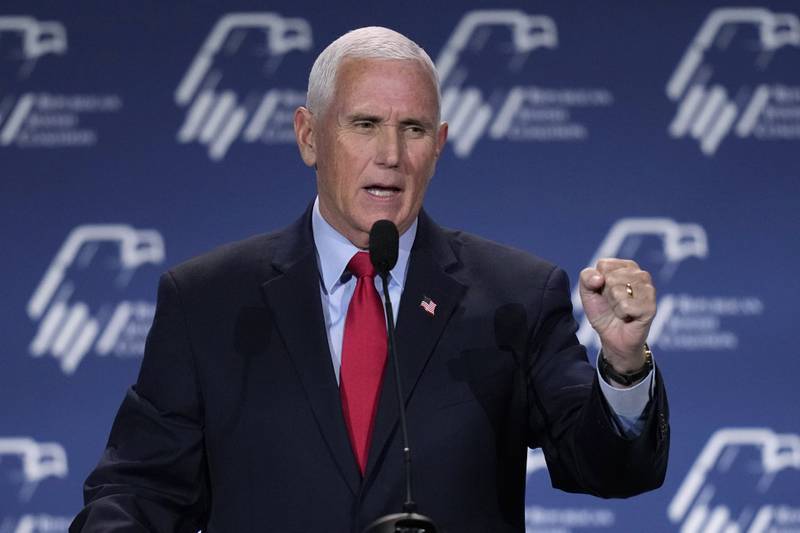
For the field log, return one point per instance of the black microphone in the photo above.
(384, 242)
(383, 246)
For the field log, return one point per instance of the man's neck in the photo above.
(334, 250)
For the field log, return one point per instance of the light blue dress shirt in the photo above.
(336, 287)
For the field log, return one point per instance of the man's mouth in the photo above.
(382, 192)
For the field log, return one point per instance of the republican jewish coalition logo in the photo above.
(27, 463)
(488, 89)
(734, 79)
(684, 321)
(235, 86)
(36, 523)
(539, 519)
(32, 113)
(82, 303)
(744, 481)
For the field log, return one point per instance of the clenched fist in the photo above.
(619, 301)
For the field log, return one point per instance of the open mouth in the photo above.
(381, 191)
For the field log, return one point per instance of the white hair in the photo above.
(372, 42)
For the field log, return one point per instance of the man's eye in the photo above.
(364, 124)
(415, 130)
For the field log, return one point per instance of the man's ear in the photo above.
(304, 134)
(441, 138)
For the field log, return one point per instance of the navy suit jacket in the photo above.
(235, 424)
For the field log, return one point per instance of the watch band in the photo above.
(608, 372)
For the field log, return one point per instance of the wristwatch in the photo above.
(607, 371)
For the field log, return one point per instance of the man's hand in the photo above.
(619, 301)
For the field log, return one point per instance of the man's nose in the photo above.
(390, 146)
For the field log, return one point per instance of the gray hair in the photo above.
(372, 42)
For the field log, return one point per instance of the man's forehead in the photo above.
(361, 65)
(368, 73)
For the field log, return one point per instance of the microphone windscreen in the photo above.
(383, 244)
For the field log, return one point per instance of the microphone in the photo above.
(383, 249)
(384, 242)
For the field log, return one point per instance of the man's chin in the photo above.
(379, 214)
(402, 223)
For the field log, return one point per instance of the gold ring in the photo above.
(629, 289)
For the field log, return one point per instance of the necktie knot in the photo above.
(361, 266)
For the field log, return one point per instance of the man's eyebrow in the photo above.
(355, 117)
(416, 122)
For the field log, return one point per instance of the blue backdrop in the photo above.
(134, 135)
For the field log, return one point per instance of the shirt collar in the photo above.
(334, 251)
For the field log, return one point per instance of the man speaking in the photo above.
(265, 402)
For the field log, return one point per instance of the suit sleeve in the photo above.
(570, 419)
(152, 474)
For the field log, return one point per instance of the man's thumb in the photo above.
(591, 281)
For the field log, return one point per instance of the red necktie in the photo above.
(363, 357)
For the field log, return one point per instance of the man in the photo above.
(262, 403)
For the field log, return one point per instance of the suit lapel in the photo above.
(418, 331)
(294, 301)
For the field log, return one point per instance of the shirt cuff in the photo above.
(628, 404)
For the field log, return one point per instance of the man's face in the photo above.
(375, 145)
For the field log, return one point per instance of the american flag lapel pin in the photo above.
(428, 305)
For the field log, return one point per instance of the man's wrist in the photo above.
(626, 379)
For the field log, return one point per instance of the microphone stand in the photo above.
(408, 521)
